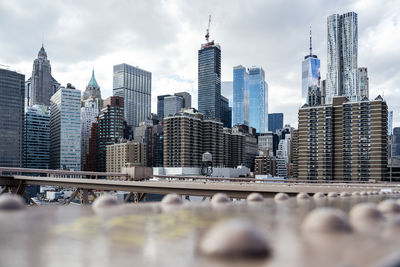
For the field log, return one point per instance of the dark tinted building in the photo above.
(396, 142)
(160, 106)
(106, 130)
(275, 121)
(209, 75)
(12, 92)
(226, 112)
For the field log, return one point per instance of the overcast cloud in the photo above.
(163, 37)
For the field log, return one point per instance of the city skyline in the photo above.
(174, 66)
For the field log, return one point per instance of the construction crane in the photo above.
(208, 29)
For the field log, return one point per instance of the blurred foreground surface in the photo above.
(153, 234)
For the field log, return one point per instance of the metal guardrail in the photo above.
(246, 179)
(60, 173)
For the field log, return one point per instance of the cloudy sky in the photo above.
(163, 37)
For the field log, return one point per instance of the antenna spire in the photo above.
(310, 42)
(208, 29)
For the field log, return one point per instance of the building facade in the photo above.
(212, 141)
(258, 100)
(310, 77)
(41, 86)
(250, 98)
(342, 72)
(268, 142)
(183, 140)
(282, 156)
(89, 113)
(390, 123)
(160, 106)
(93, 92)
(396, 143)
(343, 141)
(173, 104)
(107, 129)
(209, 80)
(363, 82)
(187, 99)
(240, 107)
(120, 154)
(265, 165)
(134, 85)
(275, 121)
(65, 129)
(158, 146)
(226, 112)
(37, 137)
(12, 91)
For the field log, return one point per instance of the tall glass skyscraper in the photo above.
(65, 129)
(209, 75)
(310, 73)
(134, 85)
(12, 92)
(37, 137)
(342, 75)
(240, 107)
(250, 98)
(258, 99)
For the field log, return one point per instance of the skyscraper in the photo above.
(134, 85)
(310, 73)
(258, 99)
(160, 106)
(65, 129)
(275, 121)
(342, 73)
(209, 76)
(187, 99)
(250, 98)
(390, 122)
(226, 112)
(37, 137)
(363, 82)
(41, 86)
(240, 107)
(89, 112)
(173, 104)
(93, 92)
(396, 143)
(107, 129)
(12, 91)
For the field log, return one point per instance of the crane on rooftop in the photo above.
(208, 29)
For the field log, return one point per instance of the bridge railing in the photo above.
(267, 180)
(9, 171)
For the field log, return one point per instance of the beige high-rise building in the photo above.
(187, 136)
(213, 141)
(183, 140)
(343, 141)
(120, 154)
